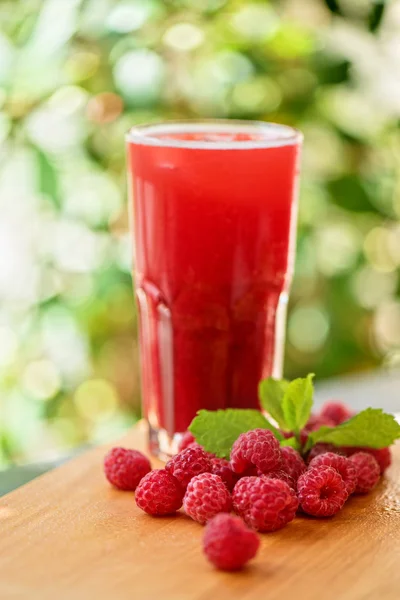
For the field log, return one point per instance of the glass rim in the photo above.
(276, 134)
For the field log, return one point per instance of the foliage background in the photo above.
(74, 76)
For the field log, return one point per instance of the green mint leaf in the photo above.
(292, 442)
(371, 428)
(297, 402)
(271, 392)
(216, 430)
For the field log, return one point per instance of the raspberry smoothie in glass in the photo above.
(214, 222)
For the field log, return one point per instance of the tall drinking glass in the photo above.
(214, 223)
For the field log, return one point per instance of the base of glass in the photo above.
(161, 444)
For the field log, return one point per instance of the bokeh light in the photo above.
(41, 379)
(255, 21)
(308, 328)
(96, 399)
(139, 75)
(183, 37)
(129, 16)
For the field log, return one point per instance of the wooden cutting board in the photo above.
(69, 535)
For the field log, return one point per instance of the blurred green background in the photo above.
(74, 76)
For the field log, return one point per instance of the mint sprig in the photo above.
(271, 392)
(217, 430)
(293, 442)
(289, 404)
(371, 428)
(297, 403)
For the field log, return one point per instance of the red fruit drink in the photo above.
(214, 221)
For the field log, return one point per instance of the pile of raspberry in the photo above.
(264, 484)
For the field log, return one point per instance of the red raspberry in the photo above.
(205, 497)
(228, 543)
(221, 467)
(250, 472)
(263, 503)
(258, 447)
(382, 456)
(321, 491)
(368, 471)
(293, 464)
(317, 421)
(336, 412)
(342, 465)
(186, 439)
(196, 445)
(321, 448)
(283, 476)
(188, 463)
(125, 468)
(159, 493)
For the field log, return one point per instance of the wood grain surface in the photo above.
(69, 535)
